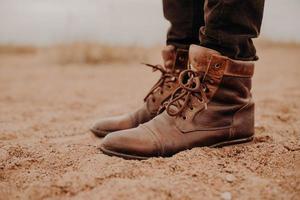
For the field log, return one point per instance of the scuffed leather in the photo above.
(229, 116)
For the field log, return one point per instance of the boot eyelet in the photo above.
(153, 100)
(217, 65)
(184, 117)
(173, 79)
(191, 108)
(180, 58)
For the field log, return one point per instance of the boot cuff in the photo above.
(202, 59)
(175, 59)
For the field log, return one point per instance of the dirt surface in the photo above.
(47, 151)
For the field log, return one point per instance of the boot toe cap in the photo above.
(134, 143)
(101, 128)
(112, 124)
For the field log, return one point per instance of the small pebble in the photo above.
(230, 178)
(226, 196)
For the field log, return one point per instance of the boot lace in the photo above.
(191, 85)
(165, 78)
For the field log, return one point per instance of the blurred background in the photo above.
(125, 22)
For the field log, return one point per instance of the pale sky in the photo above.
(43, 22)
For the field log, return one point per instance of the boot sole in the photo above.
(217, 145)
(232, 142)
(122, 155)
(99, 133)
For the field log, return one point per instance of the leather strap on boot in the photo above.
(214, 66)
(202, 59)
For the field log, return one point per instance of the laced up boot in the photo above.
(211, 107)
(174, 62)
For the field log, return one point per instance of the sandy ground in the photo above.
(47, 151)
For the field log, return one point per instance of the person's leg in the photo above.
(185, 17)
(230, 26)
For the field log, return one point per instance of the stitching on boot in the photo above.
(157, 142)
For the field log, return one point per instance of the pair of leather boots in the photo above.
(201, 99)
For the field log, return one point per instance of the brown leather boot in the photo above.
(212, 107)
(174, 62)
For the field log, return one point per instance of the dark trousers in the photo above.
(227, 26)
